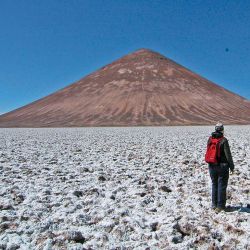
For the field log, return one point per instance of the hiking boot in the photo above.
(229, 209)
(213, 207)
(219, 209)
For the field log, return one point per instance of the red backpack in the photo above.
(213, 150)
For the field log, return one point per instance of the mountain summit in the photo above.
(142, 88)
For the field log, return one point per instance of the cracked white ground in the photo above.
(119, 188)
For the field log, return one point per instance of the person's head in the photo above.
(219, 128)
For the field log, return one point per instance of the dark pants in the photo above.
(219, 175)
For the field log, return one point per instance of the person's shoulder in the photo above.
(224, 140)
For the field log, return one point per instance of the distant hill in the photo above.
(142, 88)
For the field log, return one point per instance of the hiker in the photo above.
(219, 159)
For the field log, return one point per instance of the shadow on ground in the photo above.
(240, 209)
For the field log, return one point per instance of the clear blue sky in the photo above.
(48, 44)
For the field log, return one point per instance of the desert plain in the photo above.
(119, 188)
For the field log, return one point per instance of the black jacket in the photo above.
(225, 153)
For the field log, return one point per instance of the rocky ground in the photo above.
(119, 188)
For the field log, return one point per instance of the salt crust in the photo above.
(119, 188)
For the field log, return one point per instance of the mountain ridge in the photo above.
(142, 88)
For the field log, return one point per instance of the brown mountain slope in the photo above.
(142, 88)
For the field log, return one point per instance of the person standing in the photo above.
(219, 159)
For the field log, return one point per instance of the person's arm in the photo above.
(228, 155)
